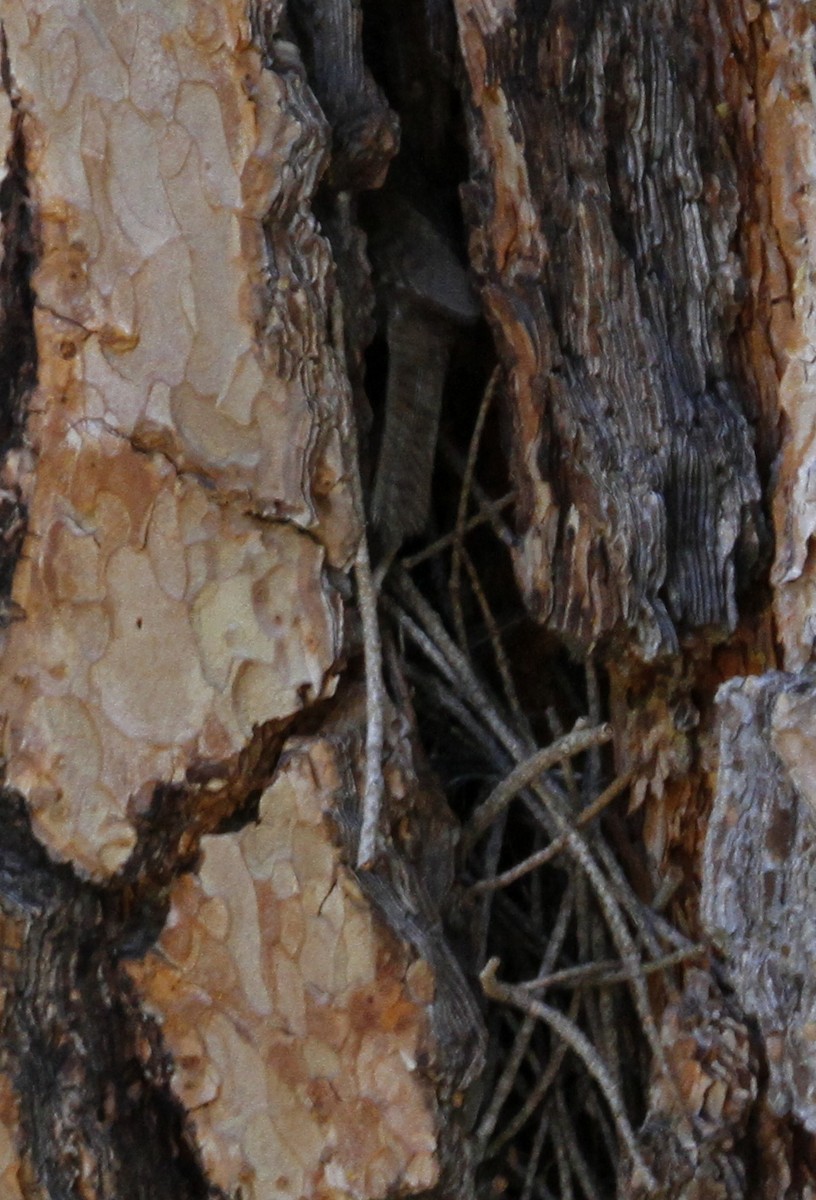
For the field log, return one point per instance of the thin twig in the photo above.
(456, 665)
(640, 915)
(592, 774)
(576, 1159)
(602, 974)
(449, 702)
(457, 668)
(461, 511)
(668, 886)
(492, 855)
(426, 644)
(485, 514)
(557, 729)
(454, 459)
(535, 1155)
(375, 706)
(575, 742)
(565, 1029)
(502, 663)
(565, 1191)
(595, 1109)
(667, 931)
(536, 1097)
(504, 1084)
(607, 1003)
(586, 918)
(396, 674)
(559, 844)
(374, 787)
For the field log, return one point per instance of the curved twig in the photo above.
(569, 1033)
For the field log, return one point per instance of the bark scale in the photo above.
(188, 959)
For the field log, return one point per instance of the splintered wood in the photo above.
(296, 1023)
(185, 480)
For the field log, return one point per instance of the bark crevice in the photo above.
(18, 348)
(97, 1114)
(92, 1076)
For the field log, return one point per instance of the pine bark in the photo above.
(259, 262)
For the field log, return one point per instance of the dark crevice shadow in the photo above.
(18, 347)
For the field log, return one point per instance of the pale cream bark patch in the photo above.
(295, 1021)
(161, 628)
(186, 487)
(186, 491)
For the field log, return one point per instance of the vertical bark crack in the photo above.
(18, 349)
(97, 1115)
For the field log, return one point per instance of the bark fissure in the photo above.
(97, 1113)
(18, 350)
(92, 1075)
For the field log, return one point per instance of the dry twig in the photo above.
(485, 514)
(375, 706)
(602, 974)
(456, 461)
(535, 1155)
(539, 1093)
(576, 742)
(513, 874)
(566, 1133)
(374, 786)
(569, 1033)
(499, 654)
(504, 1085)
(461, 512)
(457, 669)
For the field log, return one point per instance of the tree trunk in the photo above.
(406, 599)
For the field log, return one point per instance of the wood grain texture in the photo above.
(602, 206)
(189, 280)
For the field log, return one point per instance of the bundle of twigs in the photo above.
(574, 1035)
